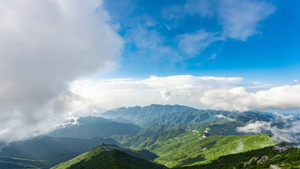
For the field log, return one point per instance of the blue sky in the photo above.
(257, 40)
(60, 59)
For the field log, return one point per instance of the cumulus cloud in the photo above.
(44, 46)
(113, 93)
(238, 98)
(197, 91)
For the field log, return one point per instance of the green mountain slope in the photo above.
(116, 159)
(180, 147)
(253, 159)
(111, 156)
(17, 163)
(54, 150)
(196, 151)
(158, 118)
(205, 118)
(172, 135)
(90, 127)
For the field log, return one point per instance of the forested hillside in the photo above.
(173, 136)
(110, 156)
(268, 157)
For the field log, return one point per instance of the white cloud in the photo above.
(165, 94)
(296, 81)
(237, 98)
(212, 57)
(193, 44)
(283, 117)
(200, 92)
(44, 46)
(289, 133)
(221, 116)
(240, 19)
(256, 83)
(189, 81)
(112, 93)
(255, 127)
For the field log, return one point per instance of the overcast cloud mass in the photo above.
(44, 46)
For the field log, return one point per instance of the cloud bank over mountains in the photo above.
(289, 132)
(230, 93)
(44, 46)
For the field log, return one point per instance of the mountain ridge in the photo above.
(101, 156)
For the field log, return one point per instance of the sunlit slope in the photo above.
(190, 151)
(253, 159)
(180, 148)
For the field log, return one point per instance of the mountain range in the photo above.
(157, 136)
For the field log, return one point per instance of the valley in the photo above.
(170, 137)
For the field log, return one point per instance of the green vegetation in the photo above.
(116, 159)
(175, 136)
(167, 114)
(188, 150)
(110, 156)
(158, 118)
(286, 159)
(9, 163)
(221, 127)
(181, 148)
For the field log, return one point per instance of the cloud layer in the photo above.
(288, 132)
(201, 92)
(44, 46)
